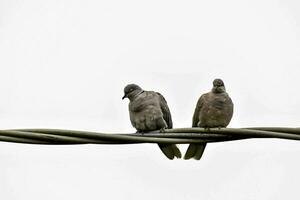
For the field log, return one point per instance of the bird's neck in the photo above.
(218, 90)
(135, 95)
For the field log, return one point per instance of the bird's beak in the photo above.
(124, 96)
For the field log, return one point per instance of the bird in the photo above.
(213, 110)
(149, 111)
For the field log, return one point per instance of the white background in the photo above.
(64, 64)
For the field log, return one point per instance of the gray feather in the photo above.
(170, 151)
(213, 109)
(149, 111)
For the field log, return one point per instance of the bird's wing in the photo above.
(165, 110)
(172, 150)
(231, 105)
(196, 150)
(197, 110)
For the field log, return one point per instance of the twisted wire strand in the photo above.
(170, 136)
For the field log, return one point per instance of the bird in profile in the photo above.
(213, 110)
(149, 111)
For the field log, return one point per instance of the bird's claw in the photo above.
(140, 132)
(162, 130)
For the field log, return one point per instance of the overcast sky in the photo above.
(64, 64)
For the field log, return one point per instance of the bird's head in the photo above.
(131, 91)
(218, 86)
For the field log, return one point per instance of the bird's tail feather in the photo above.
(176, 151)
(195, 151)
(170, 151)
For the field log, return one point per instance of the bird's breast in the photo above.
(216, 112)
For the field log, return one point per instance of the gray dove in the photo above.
(214, 110)
(149, 111)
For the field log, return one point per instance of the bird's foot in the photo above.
(140, 132)
(207, 128)
(162, 130)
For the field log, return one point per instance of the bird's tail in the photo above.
(170, 151)
(195, 151)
